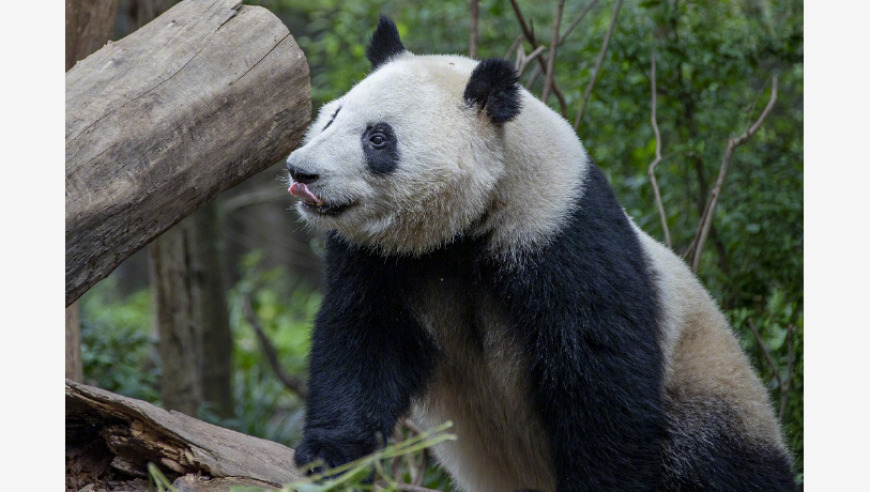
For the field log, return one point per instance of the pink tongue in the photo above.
(299, 190)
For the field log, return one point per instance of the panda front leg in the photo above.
(368, 359)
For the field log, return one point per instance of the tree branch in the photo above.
(576, 21)
(733, 143)
(652, 167)
(293, 383)
(764, 351)
(530, 36)
(554, 45)
(598, 63)
(475, 17)
(523, 60)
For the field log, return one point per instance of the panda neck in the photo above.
(545, 166)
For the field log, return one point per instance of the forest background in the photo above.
(717, 66)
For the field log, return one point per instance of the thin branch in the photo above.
(598, 63)
(652, 167)
(475, 17)
(530, 37)
(418, 471)
(764, 351)
(413, 488)
(733, 143)
(397, 437)
(554, 44)
(524, 60)
(576, 21)
(293, 383)
(517, 42)
(533, 77)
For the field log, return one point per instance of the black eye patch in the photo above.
(331, 119)
(380, 148)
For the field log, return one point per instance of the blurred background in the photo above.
(714, 66)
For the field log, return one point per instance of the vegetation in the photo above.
(715, 62)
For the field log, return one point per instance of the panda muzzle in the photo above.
(299, 190)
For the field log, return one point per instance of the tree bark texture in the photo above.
(192, 315)
(178, 330)
(212, 310)
(73, 344)
(204, 96)
(110, 439)
(88, 27)
(89, 24)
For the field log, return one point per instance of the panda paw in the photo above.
(316, 456)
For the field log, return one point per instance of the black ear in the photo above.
(385, 43)
(494, 86)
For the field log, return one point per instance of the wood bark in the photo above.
(110, 439)
(73, 344)
(191, 315)
(212, 310)
(178, 330)
(204, 96)
(89, 25)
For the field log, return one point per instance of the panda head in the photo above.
(410, 157)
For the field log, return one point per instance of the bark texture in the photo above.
(89, 25)
(110, 439)
(206, 95)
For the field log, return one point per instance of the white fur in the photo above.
(455, 164)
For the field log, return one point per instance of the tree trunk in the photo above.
(89, 25)
(212, 310)
(74, 370)
(110, 439)
(191, 314)
(204, 96)
(178, 331)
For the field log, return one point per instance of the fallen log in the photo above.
(110, 439)
(191, 104)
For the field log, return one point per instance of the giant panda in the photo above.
(480, 270)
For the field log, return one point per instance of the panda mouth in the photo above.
(313, 203)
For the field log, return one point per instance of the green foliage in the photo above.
(285, 310)
(118, 353)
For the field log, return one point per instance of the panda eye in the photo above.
(378, 140)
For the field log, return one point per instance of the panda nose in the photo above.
(301, 176)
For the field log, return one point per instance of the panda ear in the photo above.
(385, 43)
(494, 86)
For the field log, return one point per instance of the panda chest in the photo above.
(481, 363)
(481, 383)
(474, 340)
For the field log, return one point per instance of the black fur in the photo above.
(385, 43)
(588, 315)
(494, 86)
(585, 310)
(589, 308)
(706, 452)
(368, 356)
(380, 148)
